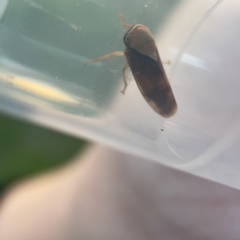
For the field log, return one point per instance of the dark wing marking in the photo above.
(152, 82)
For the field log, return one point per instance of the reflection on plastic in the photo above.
(36, 87)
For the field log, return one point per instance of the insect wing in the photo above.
(152, 82)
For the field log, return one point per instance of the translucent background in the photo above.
(45, 43)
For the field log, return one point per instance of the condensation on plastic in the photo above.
(44, 44)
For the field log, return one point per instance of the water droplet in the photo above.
(145, 5)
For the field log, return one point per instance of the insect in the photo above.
(144, 61)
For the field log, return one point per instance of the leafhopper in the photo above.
(144, 61)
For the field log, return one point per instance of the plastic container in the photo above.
(44, 44)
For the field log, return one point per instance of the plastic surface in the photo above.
(42, 78)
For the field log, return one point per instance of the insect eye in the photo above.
(126, 38)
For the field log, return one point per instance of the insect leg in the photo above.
(124, 77)
(104, 57)
(123, 23)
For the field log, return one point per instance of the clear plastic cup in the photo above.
(43, 47)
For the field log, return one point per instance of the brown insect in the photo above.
(145, 63)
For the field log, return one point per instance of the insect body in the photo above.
(145, 63)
